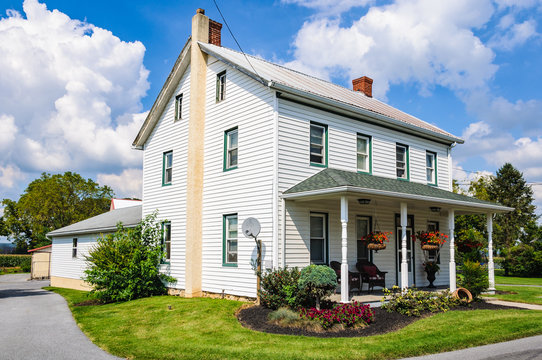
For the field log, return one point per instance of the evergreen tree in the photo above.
(509, 188)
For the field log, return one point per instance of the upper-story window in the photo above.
(431, 167)
(229, 256)
(230, 149)
(74, 248)
(401, 157)
(364, 153)
(221, 86)
(167, 171)
(166, 242)
(179, 107)
(318, 145)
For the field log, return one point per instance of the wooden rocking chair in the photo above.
(371, 275)
(353, 277)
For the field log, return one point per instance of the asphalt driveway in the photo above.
(37, 324)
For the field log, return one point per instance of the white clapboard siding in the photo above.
(383, 214)
(62, 262)
(247, 190)
(170, 201)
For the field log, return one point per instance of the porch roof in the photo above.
(329, 181)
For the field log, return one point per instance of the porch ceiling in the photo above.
(334, 181)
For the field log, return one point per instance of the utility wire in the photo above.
(237, 42)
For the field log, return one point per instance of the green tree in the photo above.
(51, 202)
(510, 189)
(125, 265)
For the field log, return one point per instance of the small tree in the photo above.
(317, 281)
(125, 265)
(474, 278)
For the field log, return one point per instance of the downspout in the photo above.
(275, 182)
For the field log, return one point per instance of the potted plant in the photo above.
(431, 240)
(376, 240)
(431, 268)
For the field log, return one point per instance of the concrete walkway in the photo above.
(37, 324)
(522, 349)
(518, 285)
(513, 304)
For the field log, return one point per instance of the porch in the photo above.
(325, 216)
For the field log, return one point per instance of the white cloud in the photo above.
(516, 35)
(70, 93)
(7, 132)
(330, 7)
(9, 175)
(126, 184)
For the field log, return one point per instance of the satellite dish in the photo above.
(251, 227)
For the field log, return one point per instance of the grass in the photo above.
(530, 295)
(12, 270)
(517, 280)
(203, 328)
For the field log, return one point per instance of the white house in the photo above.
(71, 243)
(232, 136)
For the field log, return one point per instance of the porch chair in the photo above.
(371, 275)
(353, 277)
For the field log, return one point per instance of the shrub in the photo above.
(523, 260)
(348, 315)
(317, 281)
(414, 302)
(474, 278)
(125, 265)
(279, 289)
(469, 243)
(15, 261)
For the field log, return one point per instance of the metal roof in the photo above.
(106, 222)
(334, 180)
(267, 72)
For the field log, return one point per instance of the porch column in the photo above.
(344, 262)
(490, 265)
(404, 263)
(451, 225)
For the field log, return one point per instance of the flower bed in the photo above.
(348, 315)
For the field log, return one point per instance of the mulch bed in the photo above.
(255, 318)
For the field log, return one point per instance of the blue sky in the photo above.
(78, 77)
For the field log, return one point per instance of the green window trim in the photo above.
(370, 153)
(227, 150)
(224, 240)
(163, 243)
(178, 107)
(434, 183)
(221, 86)
(407, 165)
(325, 145)
(165, 168)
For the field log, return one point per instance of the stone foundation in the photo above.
(181, 293)
(76, 284)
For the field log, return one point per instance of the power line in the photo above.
(237, 42)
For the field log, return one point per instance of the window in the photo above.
(221, 86)
(230, 149)
(229, 257)
(318, 145)
(179, 107)
(167, 172)
(318, 238)
(166, 242)
(433, 226)
(364, 153)
(74, 248)
(401, 156)
(431, 167)
(363, 227)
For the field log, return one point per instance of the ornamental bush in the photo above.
(474, 278)
(523, 260)
(279, 289)
(348, 315)
(22, 261)
(125, 265)
(317, 281)
(414, 302)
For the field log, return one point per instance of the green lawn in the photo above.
(517, 280)
(531, 295)
(17, 270)
(203, 328)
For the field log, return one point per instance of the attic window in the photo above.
(179, 107)
(221, 86)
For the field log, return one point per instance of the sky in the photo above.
(77, 78)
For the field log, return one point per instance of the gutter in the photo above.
(88, 231)
(352, 189)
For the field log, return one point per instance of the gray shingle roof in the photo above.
(334, 178)
(105, 222)
(270, 72)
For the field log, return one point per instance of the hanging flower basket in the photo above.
(430, 247)
(376, 240)
(431, 240)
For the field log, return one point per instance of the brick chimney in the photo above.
(215, 33)
(363, 84)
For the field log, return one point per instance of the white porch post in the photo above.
(344, 262)
(490, 265)
(404, 263)
(451, 225)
